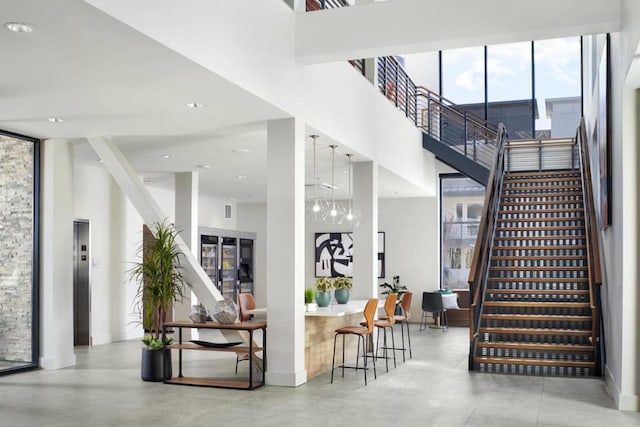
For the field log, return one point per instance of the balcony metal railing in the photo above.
(460, 130)
(313, 5)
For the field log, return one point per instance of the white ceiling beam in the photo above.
(409, 26)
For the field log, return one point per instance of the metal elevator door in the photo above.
(81, 289)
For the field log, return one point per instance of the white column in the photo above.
(285, 253)
(56, 256)
(186, 211)
(365, 235)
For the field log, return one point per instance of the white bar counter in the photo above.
(339, 310)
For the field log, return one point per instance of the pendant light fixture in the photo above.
(336, 210)
(316, 206)
(351, 218)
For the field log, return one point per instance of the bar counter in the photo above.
(320, 329)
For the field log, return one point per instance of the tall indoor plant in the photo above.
(160, 281)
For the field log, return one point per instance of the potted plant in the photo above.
(160, 283)
(342, 287)
(395, 288)
(309, 299)
(323, 291)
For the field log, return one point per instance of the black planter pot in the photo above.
(153, 364)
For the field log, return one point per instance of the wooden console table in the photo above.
(249, 327)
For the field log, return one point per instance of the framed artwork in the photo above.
(600, 138)
(334, 254)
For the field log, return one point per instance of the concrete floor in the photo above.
(432, 389)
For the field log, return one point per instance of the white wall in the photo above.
(116, 235)
(97, 199)
(620, 256)
(412, 240)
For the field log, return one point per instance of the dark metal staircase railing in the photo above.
(479, 270)
(593, 245)
(448, 126)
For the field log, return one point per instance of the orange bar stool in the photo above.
(405, 304)
(387, 323)
(364, 334)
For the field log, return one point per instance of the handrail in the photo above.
(444, 101)
(480, 265)
(592, 240)
(460, 130)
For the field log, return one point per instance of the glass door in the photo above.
(209, 257)
(229, 269)
(246, 265)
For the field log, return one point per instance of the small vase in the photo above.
(323, 298)
(342, 295)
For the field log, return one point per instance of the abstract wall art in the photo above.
(334, 254)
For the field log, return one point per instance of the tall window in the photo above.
(462, 77)
(461, 207)
(531, 87)
(558, 87)
(18, 234)
(509, 98)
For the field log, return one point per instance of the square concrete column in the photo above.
(186, 210)
(56, 256)
(365, 235)
(285, 253)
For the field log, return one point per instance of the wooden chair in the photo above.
(245, 302)
(387, 322)
(361, 332)
(405, 306)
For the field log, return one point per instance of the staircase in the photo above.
(535, 275)
(536, 316)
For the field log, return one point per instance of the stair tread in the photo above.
(530, 211)
(543, 317)
(538, 291)
(569, 172)
(529, 196)
(509, 180)
(541, 228)
(533, 304)
(536, 346)
(536, 331)
(568, 237)
(539, 279)
(543, 203)
(547, 362)
(541, 187)
(541, 247)
(554, 268)
(543, 219)
(537, 258)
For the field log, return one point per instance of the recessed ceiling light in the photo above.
(166, 156)
(195, 105)
(19, 27)
(241, 150)
(55, 120)
(147, 181)
(241, 176)
(204, 166)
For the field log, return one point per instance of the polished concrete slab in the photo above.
(432, 389)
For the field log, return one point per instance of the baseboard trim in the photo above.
(286, 379)
(624, 402)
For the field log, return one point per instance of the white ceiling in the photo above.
(103, 78)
